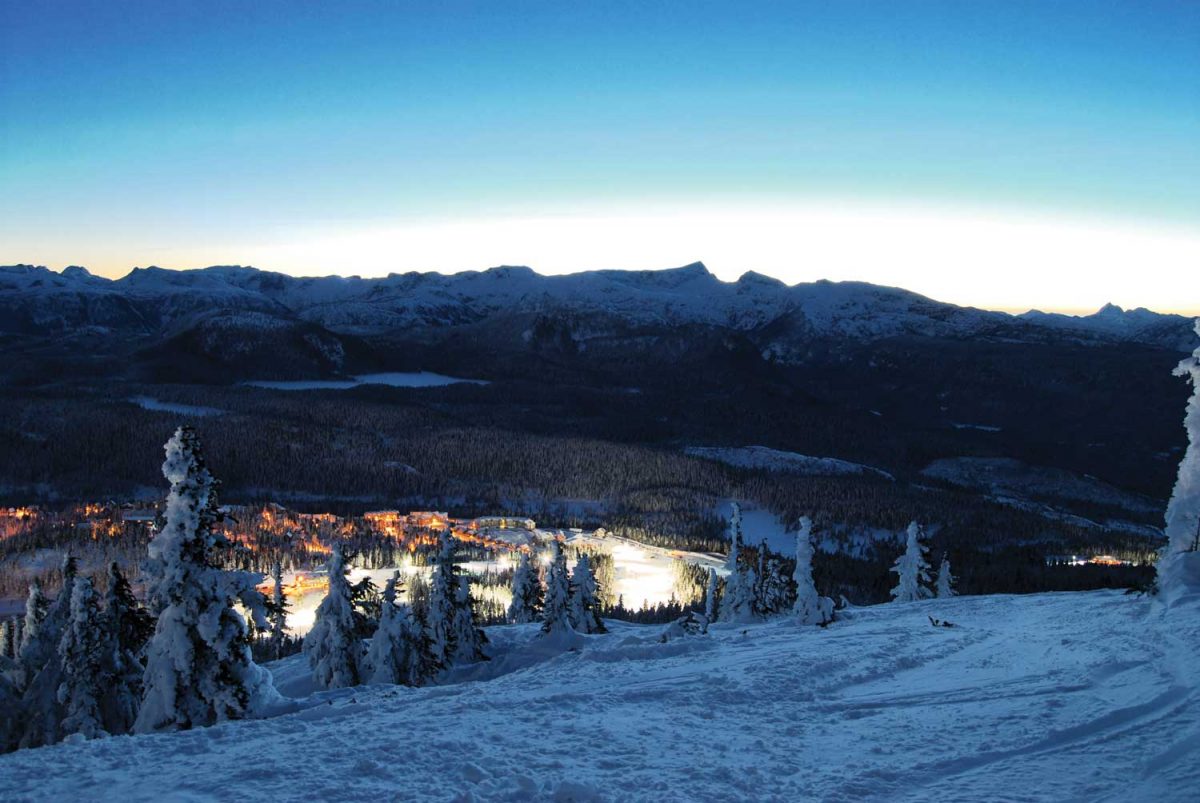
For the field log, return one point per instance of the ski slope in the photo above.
(1042, 697)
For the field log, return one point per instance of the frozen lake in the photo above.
(419, 379)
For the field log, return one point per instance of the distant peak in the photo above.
(1110, 310)
(751, 277)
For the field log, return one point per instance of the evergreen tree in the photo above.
(443, 590)
(945, 580)
(556, 613)
(36, 608)
(386, 659)
(527, 592)
(468, 639)
(277, 612)
(1179, 562)
(198, 665)
(773, 593)
(80, 651)
(333, 647)
(6, 639)
(710, 596)
(41, 667)
(735, 539)
(127, 629)
(584, 599)
(810, 607)
(912, 569)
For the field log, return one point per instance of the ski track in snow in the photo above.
(1044, 697)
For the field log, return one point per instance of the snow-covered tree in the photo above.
(6, 639)
(468, 639)
(945, 580)
(773, 592)
(333, 647)
(739, 602)
(585, 605)
(198, 665)
(41, 667)
(443, 588)
(710, 596)
(81, 652)
(912, 569)
(810, 607)
(556, 613)
(388, 658)
(277, 612)
(735, 538)
(35, 612)
(527, 592)
(126, 630)
(1179, 562)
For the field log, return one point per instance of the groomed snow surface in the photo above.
(1042, 697)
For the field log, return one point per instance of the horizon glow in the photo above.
(1005, 155)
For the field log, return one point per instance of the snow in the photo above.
(419, 379)
(149, 403)
(761, 457)
(1034, 698)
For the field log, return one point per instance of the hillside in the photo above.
(1041, 697)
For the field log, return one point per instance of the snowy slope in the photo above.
(1047, 697)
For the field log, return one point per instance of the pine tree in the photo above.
(710, 596)
(584, 599)
(6, 639)
(41, 667)
(739, 602)
(810, 607)
(443, 588)
(527, 592)
(1178, 564)
(387, 658)
(333, 647)
(468, 639)
(556, 614)
(127, 629)
(80, 651)
(277, 612)
(912, 569)
(36, 607)
(945, 580)
(198, 665)
(735, 538)
(773, 593)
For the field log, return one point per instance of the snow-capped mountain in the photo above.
(35, 300)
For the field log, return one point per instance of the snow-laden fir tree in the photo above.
(388, 659)
(945, 580)
(912, 568)
(127, 629)
(469, 640)
(810, 607)
(739, 602)
(527, 592)
(710, 596)
(774, 590)
(1179, 562)
(277, 612)
(443, 588)
(35, 611)
(333, 647)
(585, 604)
(198, 665)
(556, 613)
(6, 639)
(735, 538)
(41, 667)
(81, 652)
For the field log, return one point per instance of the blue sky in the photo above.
(186, 133)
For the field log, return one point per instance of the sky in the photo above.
(1007, 155)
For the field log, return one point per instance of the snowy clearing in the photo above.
(1042, 697)
(761, 457)
(419, 379)
(150, 403)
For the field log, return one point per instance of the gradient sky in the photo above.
(1001, 154)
